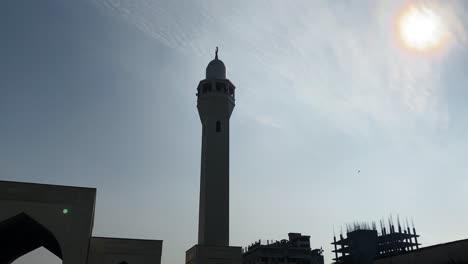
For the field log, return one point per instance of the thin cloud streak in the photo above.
(340, 65)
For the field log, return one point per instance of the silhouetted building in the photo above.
(60, 219)
(455, 252)
(295, 250)
(363, 243)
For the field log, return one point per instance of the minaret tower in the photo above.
(215, 96)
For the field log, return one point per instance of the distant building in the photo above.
(363, 243)
(295, 250)
(455, 252)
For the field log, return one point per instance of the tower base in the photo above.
(200, 254)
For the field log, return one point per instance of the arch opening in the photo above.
(40, 255)
(21, 234)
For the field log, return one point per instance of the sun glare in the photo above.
(421, 29)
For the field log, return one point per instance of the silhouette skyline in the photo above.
(101, 94)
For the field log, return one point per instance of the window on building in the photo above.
(218, 126)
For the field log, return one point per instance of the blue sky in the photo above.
(101, 93)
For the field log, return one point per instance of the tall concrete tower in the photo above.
(215, 104)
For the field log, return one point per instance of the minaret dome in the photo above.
(216, 68)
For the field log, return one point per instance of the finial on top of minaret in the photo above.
(216, 68)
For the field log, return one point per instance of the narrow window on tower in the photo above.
(218, 126)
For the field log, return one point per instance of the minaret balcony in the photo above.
(216, 87)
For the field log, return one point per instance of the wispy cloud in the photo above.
(340, 59)
(268, 121)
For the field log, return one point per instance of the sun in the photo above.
(421, 29)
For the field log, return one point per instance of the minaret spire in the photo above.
(215, 103)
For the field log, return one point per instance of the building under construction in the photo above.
(363, 242)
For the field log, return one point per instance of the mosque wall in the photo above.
(59, 218)
(124, 251)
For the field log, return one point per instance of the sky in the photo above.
(335, 121)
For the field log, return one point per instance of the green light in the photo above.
(65, 211)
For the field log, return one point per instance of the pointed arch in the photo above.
(22, 234)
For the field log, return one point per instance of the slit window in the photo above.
(218, 126)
